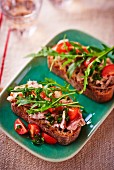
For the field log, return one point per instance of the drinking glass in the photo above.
(21, 15)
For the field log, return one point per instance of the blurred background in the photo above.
(21, 35)
(91, 16)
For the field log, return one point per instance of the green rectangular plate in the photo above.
(37, 69)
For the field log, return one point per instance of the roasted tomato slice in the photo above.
(85, 49)
(48, 139)
(60, 108)
(33, 129)
(43, 96)
(88, 61)
(19, 127)
(74, 113)
(51, 110)
(57, 109)
(64, 47)
(108, 70)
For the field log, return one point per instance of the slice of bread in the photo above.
(65, 131)
(63, 138)
(95, 93)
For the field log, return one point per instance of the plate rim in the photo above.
(62, 159)
(26, 148)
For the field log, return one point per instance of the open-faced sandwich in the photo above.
(49, 106)
(88, 69)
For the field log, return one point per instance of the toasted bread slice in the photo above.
(64, 128)
(96, 94)
(63, 138)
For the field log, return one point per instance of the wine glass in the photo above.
(20, 16)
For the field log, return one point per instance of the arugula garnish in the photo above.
(97, 60)
(50, 118)
(38, 140)
(74, 60)
(38, 104)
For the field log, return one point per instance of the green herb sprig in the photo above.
(97, 60)
(70, 57)
(38, 104)
(38, 140)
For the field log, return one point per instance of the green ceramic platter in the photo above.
(37, 69)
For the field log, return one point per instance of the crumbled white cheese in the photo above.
(30, 83)
(57, 94)
(34, 84)
(13, 96)
(37, 116)
(63, 122)
(61, 41)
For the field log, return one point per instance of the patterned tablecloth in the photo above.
(93, 17)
